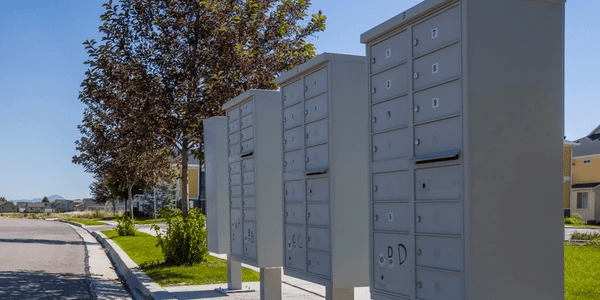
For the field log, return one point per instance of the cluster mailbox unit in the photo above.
(466, 107)
(324, 172)
(253, 128)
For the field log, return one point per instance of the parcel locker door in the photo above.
(392, 260)
(295, 247)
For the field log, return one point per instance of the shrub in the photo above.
(573, 221)
(125, 226)
(585, 236)
(185, 239)
(577, 216)
(98, 214)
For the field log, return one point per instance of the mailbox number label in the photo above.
(434, 33)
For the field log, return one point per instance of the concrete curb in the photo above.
(140, 284)
(72, 223)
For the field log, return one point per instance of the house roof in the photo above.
(7, 202)
(36, 204)
(589, 145)
(586, 185)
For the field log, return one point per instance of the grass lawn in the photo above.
(582, 271)
(143, 251)
(86, 221)
(149, 221)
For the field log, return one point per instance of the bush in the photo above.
(185, 239)
(573, 221)
(577, 216)
(585, 236)
(98, 214)
(125, 226)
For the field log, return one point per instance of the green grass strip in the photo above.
(86, 222)
(582, 270)
(143, 251)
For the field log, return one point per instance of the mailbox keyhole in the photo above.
(423, 185)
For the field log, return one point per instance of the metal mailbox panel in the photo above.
(391, 216)
(317, 214)
(294, 213)
(437, 67)
(293, 161)
(234, 167)
(292, 116)
(390, 84)
(235, 191)
(391, 186)
(316, 133)
(391, 272)
(248, 190)
(389, 52)
(233, 126)
(438, 102)
(293, 93)
(439, 217)
(438, 183)
(295, 250)
(248, 177)
(315, 108)
(247, 146)
(293, 190)
(317, 157)
(319, 263)
(439, 252)
(246, 108)
(292, 139)
(315, 83)
(248, 202)
(439, 285)
(436, 32)
(317, 238)
(247, 133)
(235, 179)
(233, 139)
(246, 121)
(391, 144)
(247, 165)
(389, 114)
(237, 239)
(250, 240)
(248, 214)
(232, 115)
(234, 150)
(317, 189)
(438, 136)
(235, 202)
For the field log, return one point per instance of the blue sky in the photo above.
(41, 68)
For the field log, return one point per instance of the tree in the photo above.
(45, 199)
(165, 65)
(2, 199)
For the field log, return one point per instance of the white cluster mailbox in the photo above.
(466, 104)
(254, 166)
(324, 145)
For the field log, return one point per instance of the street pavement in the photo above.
(53, 260)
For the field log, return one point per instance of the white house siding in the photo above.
(589, 212)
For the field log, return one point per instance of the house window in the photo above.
(586, 161)
(582, 200)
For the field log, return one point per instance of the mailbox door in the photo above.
(295, 250)
(392, 270)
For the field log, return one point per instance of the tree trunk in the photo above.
(130, 200)
(185, 203)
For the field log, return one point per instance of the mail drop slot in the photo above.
(315, 108)
(233, 126)
(437, 31)
(318, 263)
(439, 217)
(246, 121)
(248, 202)
(234, 150)
(295, 250)
(234, 167)
(389, 52)
(247, 165)
(235, 191)
(317, 157)
(248, 177)
(317, 214)
(247, 146)
(391, 216)
(236, 202)
(315, 83)
(292, 116)
(294, 213)
(390, 84)
(237, 238)
(293, 190)
(438, 183)
(316, 133)
(317, 189)
(232, 115)
(250, 240)
(235, 179)
(249, 214)
(438, 136)
(248, 190)
(391, 186)
(391, 144)
(233, 139)
(247, 133)
(437, 67)
(438, 102)
(317, 238)
(293, 138)
(439, 252)
(293, 93)
(392, 260)
(389, 114)
(246, 108)
(293, 161)
(439, 285)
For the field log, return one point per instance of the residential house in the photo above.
(35, 207)
(63, 205)
(22, 206)
(8, 207)
(49, 207)
(585, 190)
(194, 177)
(567, 175)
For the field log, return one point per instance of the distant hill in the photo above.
(51, 198)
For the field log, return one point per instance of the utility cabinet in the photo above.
(466, 108)
(255, 208)
(324, 148)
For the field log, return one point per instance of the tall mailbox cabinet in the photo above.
(466, 108)
(325, 187)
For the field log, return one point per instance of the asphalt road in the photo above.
(46, 260)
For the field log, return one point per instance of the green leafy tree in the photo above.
(165, 65)
(45, 199)
(2, 199)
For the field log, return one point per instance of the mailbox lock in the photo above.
(418, 219)
(374, 149)
(419, 284)
(374, 188)
(373, 90)
(229, 180)
(284, 142)
(419, 252)
(306, 88)
(284, 119)
(306, 112)
(389, 113)
(286, 192)
(286, 214)
(417, 142)
(416, 75)
(416, 109)
(308, 262)
(241, 135)
(374, 120)
(230, 203)
(373, 60)
(285, 163)
(375, 218)
(243, 215)
(307, 135)
(244, 203)
(308, 215)
(307, 159)
(242, 179)
(310, 191)
(283, 98)
(308, 238)
(415, 42)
